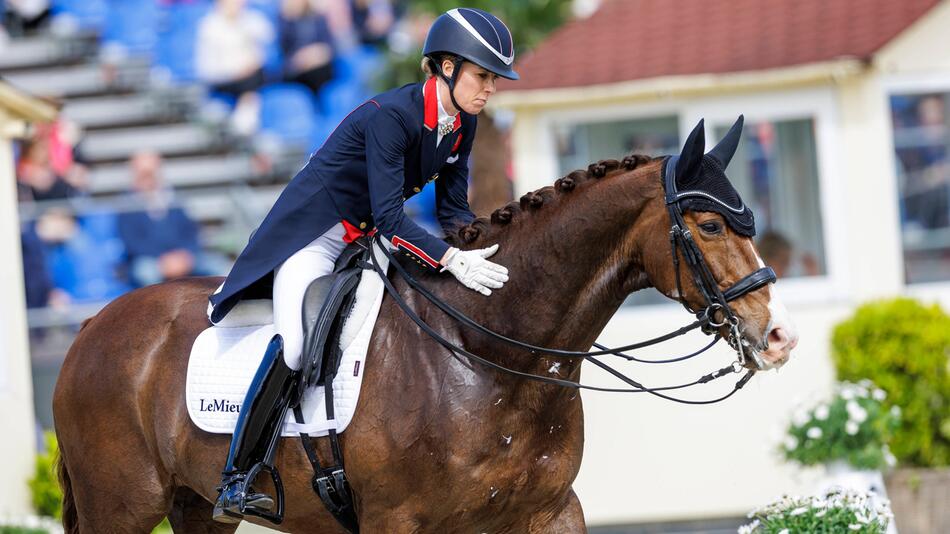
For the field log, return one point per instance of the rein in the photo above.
(681, 241)
(459, 351)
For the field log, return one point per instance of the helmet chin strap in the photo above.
(456, 64)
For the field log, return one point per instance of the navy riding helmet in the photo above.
(474, 35)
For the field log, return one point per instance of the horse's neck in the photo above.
(569, 272)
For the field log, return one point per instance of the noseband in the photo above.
(716, 300)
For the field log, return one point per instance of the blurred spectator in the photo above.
(372, 20)
(306, 43)
(230, 53)
(37, 176)
(779, 254)
(161, 242)
(35, 276)
(23, 16)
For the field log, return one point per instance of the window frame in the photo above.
(817, 104)
(914, 84)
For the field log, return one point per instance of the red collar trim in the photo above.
(430, 104)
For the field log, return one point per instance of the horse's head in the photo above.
(735, 290)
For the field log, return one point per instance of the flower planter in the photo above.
(920, 500)
(840, 473)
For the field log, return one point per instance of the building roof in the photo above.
(629, 40)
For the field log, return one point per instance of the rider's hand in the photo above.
(475, 272)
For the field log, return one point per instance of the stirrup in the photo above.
(233, 505)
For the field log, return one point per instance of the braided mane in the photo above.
(534, 200)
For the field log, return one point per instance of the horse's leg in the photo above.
(114, 497)
(191, 513)
(570, 520)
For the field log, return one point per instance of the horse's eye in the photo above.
(712, 227)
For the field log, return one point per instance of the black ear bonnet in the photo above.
(701, 183)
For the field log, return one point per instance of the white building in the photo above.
(17, 112)
(845, 157)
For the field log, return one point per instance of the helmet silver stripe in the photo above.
(454, 13)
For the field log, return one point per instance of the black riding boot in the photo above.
(256, 436)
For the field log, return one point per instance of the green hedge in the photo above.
(44, 486)
(904, 348)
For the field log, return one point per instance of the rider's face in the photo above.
(473, 86)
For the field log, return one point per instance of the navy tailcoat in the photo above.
(382, 153)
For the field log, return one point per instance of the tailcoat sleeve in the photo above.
(451, 189)
(387, 141)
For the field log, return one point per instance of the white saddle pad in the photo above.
(225, 357)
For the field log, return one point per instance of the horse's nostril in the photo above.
(778, 338)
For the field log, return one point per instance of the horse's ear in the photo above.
(726, 148)
(692, 153)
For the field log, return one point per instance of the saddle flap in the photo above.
(325, 305)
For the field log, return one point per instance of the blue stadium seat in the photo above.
(288, 111)
(89, 14)
(86, 266)
(358, 65)
(177, 32)
(133, 24)
(339, 96)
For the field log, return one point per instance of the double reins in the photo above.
(717, 301)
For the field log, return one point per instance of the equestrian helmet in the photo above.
(476, 36)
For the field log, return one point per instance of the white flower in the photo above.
(790, 442)
(821, 513)
(879, 395)
(856, 412)
(814, 433)
(855, 526)
(821, 412)
(783, 531)
(851, 427)
(799, 511)
(847, 394)
(800, 417)
(896, 410)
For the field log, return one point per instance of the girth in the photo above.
(327, 303)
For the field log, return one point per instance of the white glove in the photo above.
(475, 272)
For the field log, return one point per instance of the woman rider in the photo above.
(383, 152)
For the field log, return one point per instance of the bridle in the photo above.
(717, 301)
(681, 241)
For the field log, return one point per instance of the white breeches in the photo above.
(291, 280)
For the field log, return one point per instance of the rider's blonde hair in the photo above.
(429, 69)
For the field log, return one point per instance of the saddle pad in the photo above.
(224, 360)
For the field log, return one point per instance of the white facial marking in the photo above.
(780, 319)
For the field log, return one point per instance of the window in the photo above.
(775, 170)
(579, 145)
(921, 143)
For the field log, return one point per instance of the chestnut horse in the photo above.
(426, 449)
